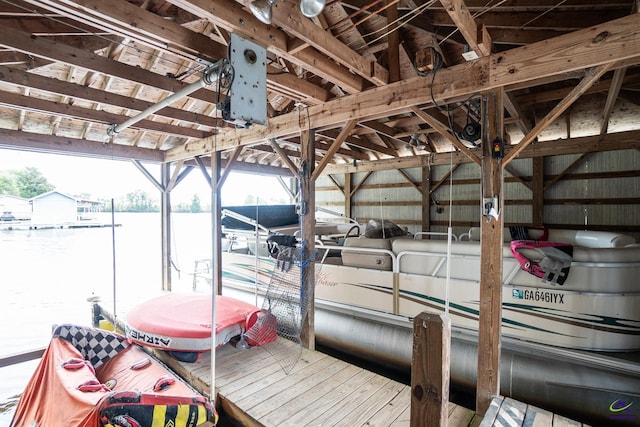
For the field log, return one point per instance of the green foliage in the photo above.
(28, 182)
(195, 204)
(138, 201)
(8, 186)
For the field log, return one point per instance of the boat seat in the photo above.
(373, 260)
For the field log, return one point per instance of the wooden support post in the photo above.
(348, 185)
(430, 366)
(216, 219)
(308, 223)
(426, 199)
(165, 223)
(537, 212)
(491, 231)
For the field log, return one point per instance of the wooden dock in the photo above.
(507, 412)
(320, 390)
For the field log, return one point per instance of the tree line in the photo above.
(29, 182)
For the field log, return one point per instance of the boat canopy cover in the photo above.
(268, 216)
(89, 377)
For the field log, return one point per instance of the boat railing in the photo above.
(419, 234)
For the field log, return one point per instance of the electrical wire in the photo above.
(151, 52)
(404, 21)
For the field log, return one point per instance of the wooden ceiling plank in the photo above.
(591, 76)
(344, 133)
(146, 27)
(526, 64)
(234, 18)
(59, 52)
(73, 112)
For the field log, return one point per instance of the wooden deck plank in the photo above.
(560, 421)
(537, 417)
(492, 411)
(294, 390)
(277, 381)
(367, 408)
(324, 397)
(348, 404)
(404, 420)
(245, 383)
(511, 413)
(461, 416)
(392, 411)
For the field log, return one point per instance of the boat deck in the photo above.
(254, 390)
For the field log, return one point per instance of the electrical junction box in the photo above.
(248, 91)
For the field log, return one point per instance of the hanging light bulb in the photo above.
(262, 9)
(311, 8)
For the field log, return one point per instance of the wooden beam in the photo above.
(288, 16)
(19, 78)
(59, 52)
(430, 370)
(462, 18)
(285, 159)
(491, 230)
(537, 192)
(307, 222)
(342, 136)
(348, 183)
(174, 176)
(393, 49)
(28, 103)
(165, 225)
(619, 39)
(41, 143)
(126, 19)
(445, 131)
(360, 184)
(233, 17)
(229, 165)
(425, 184)
(410, 180)
(612, 95)
(590, 77)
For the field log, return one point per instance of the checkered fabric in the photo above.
(96, 345)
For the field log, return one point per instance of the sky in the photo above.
(106, 179)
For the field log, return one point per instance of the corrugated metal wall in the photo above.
(581, 198)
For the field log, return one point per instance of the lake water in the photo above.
(46, 277)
